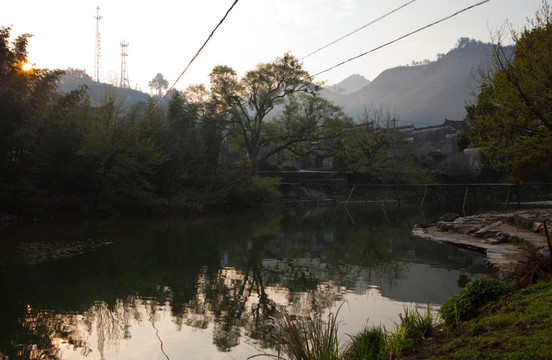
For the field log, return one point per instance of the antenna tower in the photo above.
(98, 53)
(124, 83)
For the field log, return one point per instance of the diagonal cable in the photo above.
(357, 30)
(400, 38)
(195, 56)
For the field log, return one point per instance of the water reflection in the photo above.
(209, 286)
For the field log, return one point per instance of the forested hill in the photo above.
(425, 94)
(349, 85)
(422, 95)
(74, 79)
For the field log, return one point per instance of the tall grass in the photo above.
(370, 343)
(313, 338)
(308, 338)
(412, 328)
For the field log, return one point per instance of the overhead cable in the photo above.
(195, 56)
(400, 38)
(357, 30)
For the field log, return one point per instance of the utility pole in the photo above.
(98, 53)
(123, 82)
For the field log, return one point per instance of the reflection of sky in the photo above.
(157, 335)
(424, 284)
(369, 309)
(315, 272)
(192, 343)
(188, 343)
(414, 282)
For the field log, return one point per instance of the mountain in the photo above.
(423, 95)
(74, 78)
(350, 85)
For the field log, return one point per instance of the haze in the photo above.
(164, 35)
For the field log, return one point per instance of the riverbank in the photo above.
(515, 327)
(508, 239)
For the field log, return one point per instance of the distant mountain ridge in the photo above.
(74, 79)
(423, 95)
(419, 95)
(349, 85)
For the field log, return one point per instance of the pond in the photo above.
(207, 287)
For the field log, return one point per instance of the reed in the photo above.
(309, 337)
(316, 338)
(370, 343)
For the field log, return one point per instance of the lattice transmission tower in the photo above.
(124, 83)
(98, 52)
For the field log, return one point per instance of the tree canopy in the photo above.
(61, 152)
(512, 119)
(158, 83)
(246, 103)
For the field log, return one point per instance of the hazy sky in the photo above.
(164, 35)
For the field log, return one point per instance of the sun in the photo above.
(26, 66)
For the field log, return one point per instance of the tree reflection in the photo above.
(45, 334)
(229, 279)
(232, 301)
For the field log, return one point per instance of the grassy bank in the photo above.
(486, 320)
(517, 326)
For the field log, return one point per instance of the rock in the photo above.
(472, 230)
(489, 230)
(503, 238)
(449, 217)
(441, 225)
(538, 227)
(504, 241)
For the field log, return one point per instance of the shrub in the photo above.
(418, 325)
(308, 338)
(465, 305)
(264, 189)
(370, 343)
(413, 328)
(238, 189)
(312, 338)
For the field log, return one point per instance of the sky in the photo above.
(164, 35)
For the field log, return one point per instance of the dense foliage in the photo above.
(247, 103)
(375, 152)
(65, 153)
(60, 153)
(465, 305)
(512, 119)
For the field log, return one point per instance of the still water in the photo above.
(207, 287)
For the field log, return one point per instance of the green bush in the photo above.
(370, 343)
(264, 189)
(465, 305)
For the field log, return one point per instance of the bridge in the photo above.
(326, 186)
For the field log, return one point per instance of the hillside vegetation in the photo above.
(73, 79)
(515, 327)
(422, 95)
(427, 94)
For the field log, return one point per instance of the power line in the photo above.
(195, 56)
(357, 30)
(400, 38)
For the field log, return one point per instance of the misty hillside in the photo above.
(351, 84)
(427, 94)
(73, 79)
(422, 95)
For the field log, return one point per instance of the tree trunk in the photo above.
(252, 163)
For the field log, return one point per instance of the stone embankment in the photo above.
(507, 238)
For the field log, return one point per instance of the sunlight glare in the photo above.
(26, 66)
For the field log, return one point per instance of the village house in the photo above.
(437, 142)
